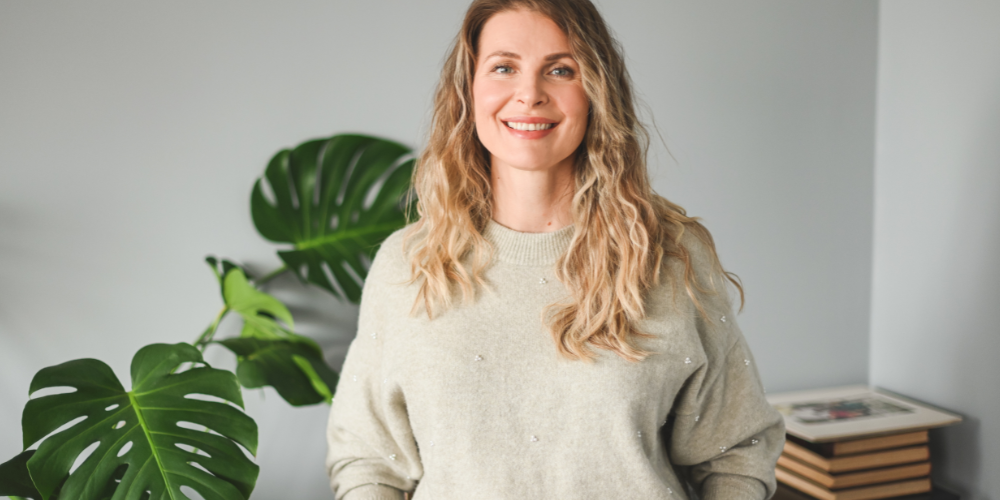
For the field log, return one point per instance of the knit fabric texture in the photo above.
(477, 403)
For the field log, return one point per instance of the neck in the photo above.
(533, 201)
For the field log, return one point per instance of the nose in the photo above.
(531, 93)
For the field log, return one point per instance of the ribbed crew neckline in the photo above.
(527, 249)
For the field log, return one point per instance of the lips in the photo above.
(529, 127)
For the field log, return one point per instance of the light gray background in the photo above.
(130, 136)
(936, 286)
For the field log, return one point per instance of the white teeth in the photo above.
(530, 126)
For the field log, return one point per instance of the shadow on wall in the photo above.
(957, 444)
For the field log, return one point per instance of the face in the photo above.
(529, 102)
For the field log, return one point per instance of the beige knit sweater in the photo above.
(477, 404)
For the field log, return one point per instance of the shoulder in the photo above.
(390, 261)
(694, 290)
(385, 285)
(691, 255)
(698, 241)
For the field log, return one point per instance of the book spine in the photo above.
(887, 490)
(879, 459)
(880, 443)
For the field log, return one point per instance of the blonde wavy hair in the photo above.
(622, 229)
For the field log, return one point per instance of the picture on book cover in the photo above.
(854, 412)
(820, 412)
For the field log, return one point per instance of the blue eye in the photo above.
(503, 69)
(563, 71)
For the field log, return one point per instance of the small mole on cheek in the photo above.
(550, 224)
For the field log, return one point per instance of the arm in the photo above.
(725, 435)
(371, 450)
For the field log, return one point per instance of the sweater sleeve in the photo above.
(725, 436)
(372, 454)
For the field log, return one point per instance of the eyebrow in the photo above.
(550, 57)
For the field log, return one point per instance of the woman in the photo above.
(549, 328)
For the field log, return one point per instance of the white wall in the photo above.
(936, 279)
(130, 135)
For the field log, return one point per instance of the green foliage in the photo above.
(335, 201)
(15, 480)
(221, 267)
(294, 368)
(321, 189)
(140, 440)
(258, 309)
(268, 353)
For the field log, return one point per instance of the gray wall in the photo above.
(936, 280)
(768, 111)
(130, 135)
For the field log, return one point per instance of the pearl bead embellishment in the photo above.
(723, 319)
(722, 448)
(478, 358)
(392, 457)
(374, 335)
(687, 361)
(640, 433)
(754, 441)
(542, 281)
(746, 362)
(354, 378)
(697, 418)
(534, 439)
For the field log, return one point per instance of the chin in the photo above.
(532, 164)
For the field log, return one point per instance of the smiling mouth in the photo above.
(529, 127)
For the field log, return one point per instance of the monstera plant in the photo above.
(180, 431)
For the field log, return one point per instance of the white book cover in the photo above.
(854, 412)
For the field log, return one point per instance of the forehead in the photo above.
(523, 32)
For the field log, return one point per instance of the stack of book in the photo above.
(880, 467)
(856, 443)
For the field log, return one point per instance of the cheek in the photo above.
(487, 99)
(576, 106)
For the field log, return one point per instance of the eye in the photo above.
(502, 69)
(562, 71)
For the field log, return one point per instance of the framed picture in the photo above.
(855, 411)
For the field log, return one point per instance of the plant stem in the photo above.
(209, 332)
(270, 276)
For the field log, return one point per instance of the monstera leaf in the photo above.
(15, 481)
(269, 354)
(295, 368)
(258, 309)
(147, 443)
(334, 200)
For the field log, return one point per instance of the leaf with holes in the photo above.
(295, 368)
(335, 200)
(174, 429)
(259, 310)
